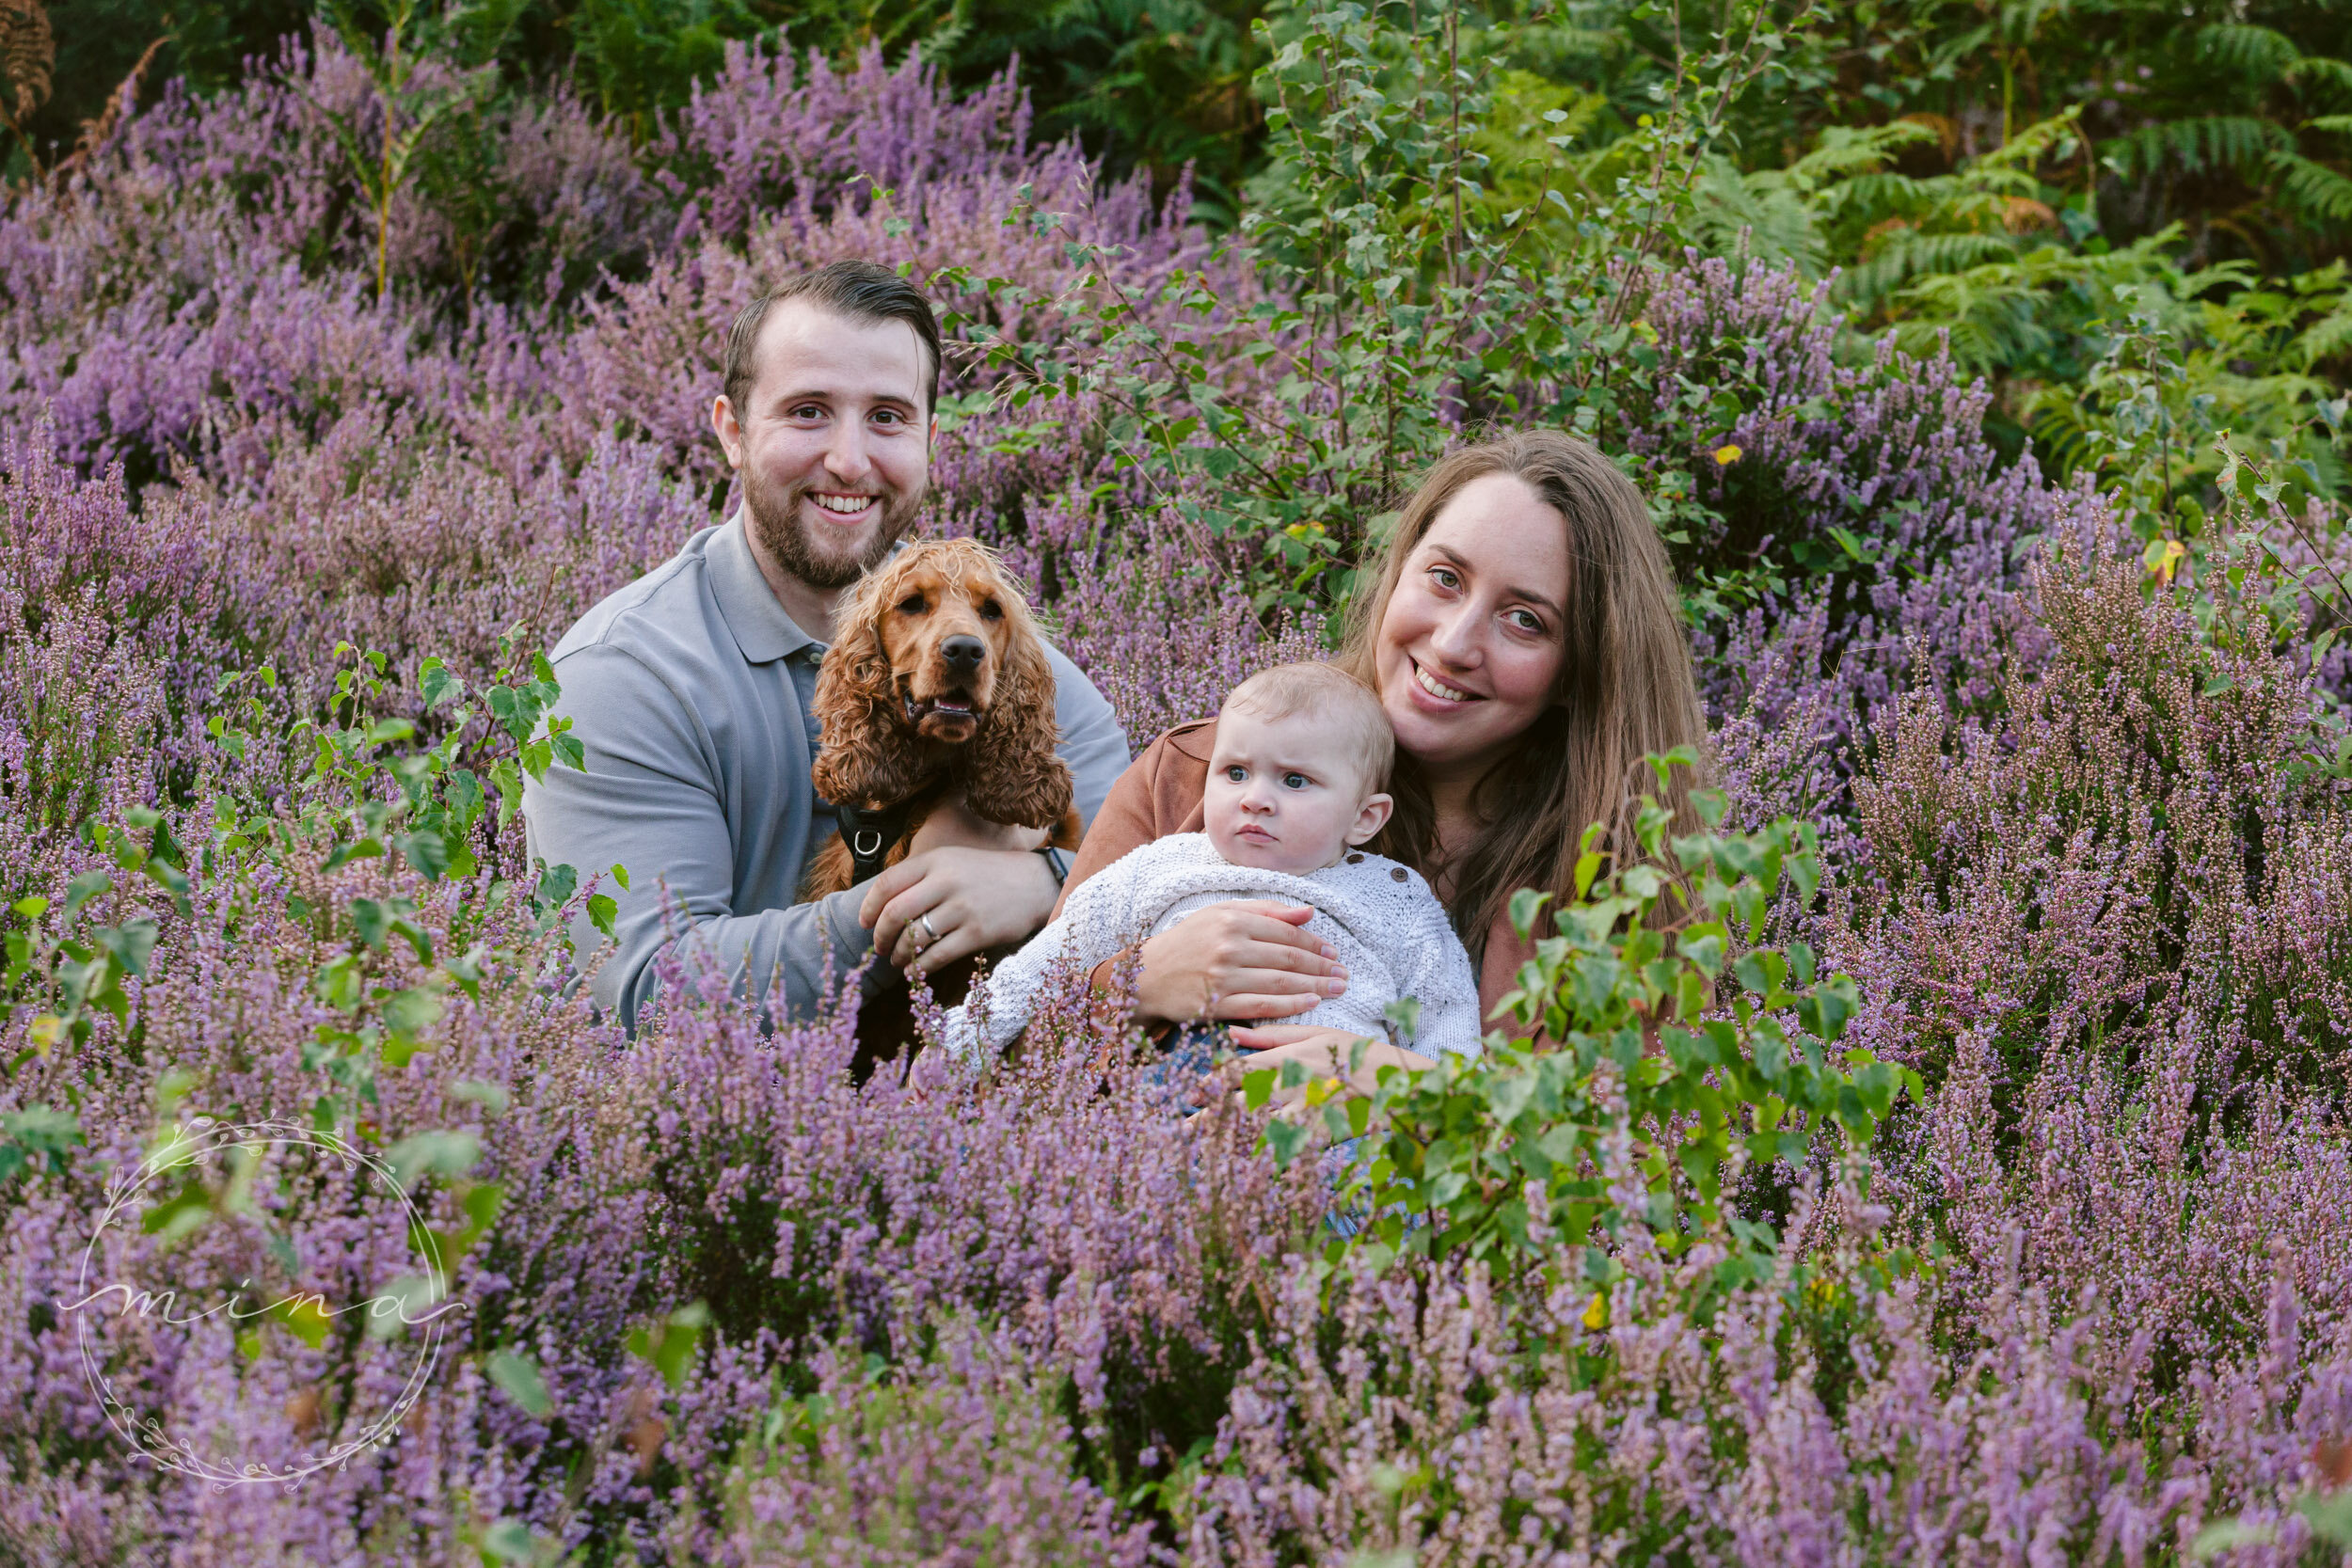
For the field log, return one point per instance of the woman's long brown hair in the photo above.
(1625, 688)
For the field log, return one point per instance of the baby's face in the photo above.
(1285, 794)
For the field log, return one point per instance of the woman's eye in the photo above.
(1444, 577)
(1525, 620)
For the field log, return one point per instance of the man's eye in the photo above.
(888, 415)
(806, 411)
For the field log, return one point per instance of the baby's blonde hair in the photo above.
(1286, 688)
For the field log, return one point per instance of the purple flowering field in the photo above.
(2088, 858)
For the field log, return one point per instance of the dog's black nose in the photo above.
(963, 654)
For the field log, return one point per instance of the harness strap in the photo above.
(870, 835)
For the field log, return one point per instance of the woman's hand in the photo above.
(1324, 1053)
(1251, 958)
(940, 905)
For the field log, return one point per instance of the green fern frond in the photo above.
(1764, 207)
(2341, 125)
(1883, 192)
(2243, 47)
(2210, 141)
(2312, 188)
(2062, 439)
(2322, 68)
(1915, 255)
(2326, 337)
(2043, 138)
(1844, 153)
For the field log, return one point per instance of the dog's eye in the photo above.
(992, 610)
(911, 605)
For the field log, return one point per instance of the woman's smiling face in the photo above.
(1469, 647)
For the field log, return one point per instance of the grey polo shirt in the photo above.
(689, 691)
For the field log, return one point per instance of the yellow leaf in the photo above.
(1596, 1315)
(1726, 455)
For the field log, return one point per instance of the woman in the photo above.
(1526, 638)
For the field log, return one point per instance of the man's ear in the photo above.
(729, 428)
(1370, 818)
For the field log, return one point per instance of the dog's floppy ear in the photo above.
(869, 757)
(1011, 772)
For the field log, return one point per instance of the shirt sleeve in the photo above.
(1091, 925)
(651, 783)
(1093, 742)
(1126, 823)
(1441, 980)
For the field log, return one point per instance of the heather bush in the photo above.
(1705, 1288)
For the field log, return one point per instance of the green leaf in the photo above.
(370, 921)
(509, 1541)
(426, 850)
(438, 685)
(491, 1097)
(519, 1379)
(1526, 904)
(1705, 950)
(179, 1213)
(80, 890)
(670, 1343)
(412, 1011)
(439, 1153)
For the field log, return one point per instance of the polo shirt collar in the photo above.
(746, 603)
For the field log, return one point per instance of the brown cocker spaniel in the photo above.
(937, 685)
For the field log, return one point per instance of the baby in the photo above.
(1302, 752)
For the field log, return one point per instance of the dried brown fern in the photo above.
(28, 53)
(119, 105)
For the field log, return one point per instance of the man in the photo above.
(691, 689)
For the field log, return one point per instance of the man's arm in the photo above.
(649, 798)
(1091, 741)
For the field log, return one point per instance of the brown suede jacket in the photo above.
(1161, 793)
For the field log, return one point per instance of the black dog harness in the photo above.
(870, 835)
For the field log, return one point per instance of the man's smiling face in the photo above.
(833, 442)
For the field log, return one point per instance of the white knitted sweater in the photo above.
(1392, 934)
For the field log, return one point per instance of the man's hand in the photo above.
(940, 905)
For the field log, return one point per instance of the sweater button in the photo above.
(1396, 873)
(1356, 859)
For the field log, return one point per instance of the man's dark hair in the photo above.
(858, 289)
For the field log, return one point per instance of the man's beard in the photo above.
(775, 516)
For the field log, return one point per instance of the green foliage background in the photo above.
(2133, 216)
